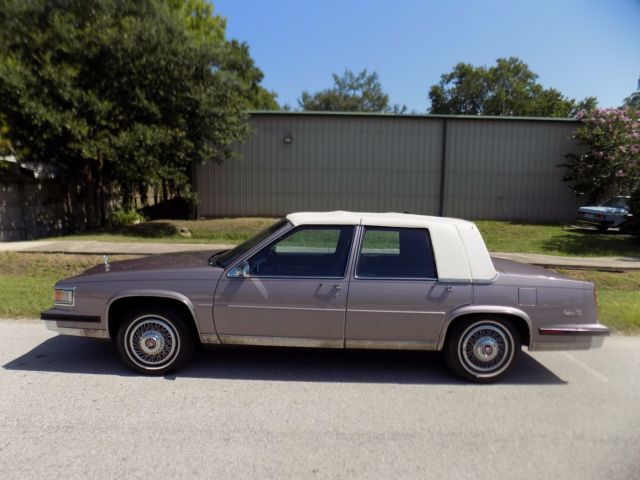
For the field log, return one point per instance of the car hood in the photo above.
(604, 210)
(173, 266)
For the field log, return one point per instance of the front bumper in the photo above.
(572, 337)
(71, 324)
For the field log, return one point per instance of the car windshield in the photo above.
(224, 258)
(617, 202)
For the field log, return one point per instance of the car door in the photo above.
(395, 298)
(292, 292)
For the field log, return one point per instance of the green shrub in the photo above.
(633, 227)
(634, 203)
(124, 218)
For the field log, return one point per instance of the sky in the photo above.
(580, 47)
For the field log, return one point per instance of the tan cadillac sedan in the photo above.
(334, 280)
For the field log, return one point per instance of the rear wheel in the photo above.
(155, 341)
(602, 228)
(483, 349)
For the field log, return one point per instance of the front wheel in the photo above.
(155, 341)
(482, 350)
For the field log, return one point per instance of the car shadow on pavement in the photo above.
(63, 354)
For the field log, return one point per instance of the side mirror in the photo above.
(241, 271)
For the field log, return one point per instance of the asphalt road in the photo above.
(69, 409)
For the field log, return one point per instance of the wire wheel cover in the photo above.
(485, 348)
(152, 341)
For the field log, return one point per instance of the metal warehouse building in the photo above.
(470, 167)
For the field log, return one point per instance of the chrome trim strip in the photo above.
(209, 339)
(270, 307)
(77, 332)
(353, 310)
(407, 279)
(391, 345)
(281, 341)
(578, 331)
(286, 277)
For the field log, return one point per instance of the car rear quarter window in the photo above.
(402, 253)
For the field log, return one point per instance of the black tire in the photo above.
(155, 340)
(602, 229)
(482, 349)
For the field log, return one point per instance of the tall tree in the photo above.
(114, 93)
(237, 59)
(507, 88)
(351, 92)
(633, 100)
(5, 145)
(207, 28)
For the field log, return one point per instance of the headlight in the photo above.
(63, 296)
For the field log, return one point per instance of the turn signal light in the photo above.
(63, 296)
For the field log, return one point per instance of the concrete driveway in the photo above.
(69, 409)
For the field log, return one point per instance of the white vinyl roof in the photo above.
(460, 252)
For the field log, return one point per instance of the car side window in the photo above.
(307, 251)
(396, 253)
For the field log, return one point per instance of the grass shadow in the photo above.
(142, 230)
(148, 230)
(86, 356)
(587, 242)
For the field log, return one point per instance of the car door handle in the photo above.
(337, 287)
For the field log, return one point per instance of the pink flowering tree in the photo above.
(610, 160)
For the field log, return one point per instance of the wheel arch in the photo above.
(519, 319)
(121, 302)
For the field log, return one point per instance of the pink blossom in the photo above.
(619, 173)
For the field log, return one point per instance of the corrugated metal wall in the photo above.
(493, 169)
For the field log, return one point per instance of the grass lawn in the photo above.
(553, 239)
(27, 279)
(515, 237)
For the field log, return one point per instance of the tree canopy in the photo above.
(361, 92)
(208, 29)
(120, 94)
(5, 145)
(609, 161)
(633, 100)
(507, 88)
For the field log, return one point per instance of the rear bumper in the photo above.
(571, 337)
